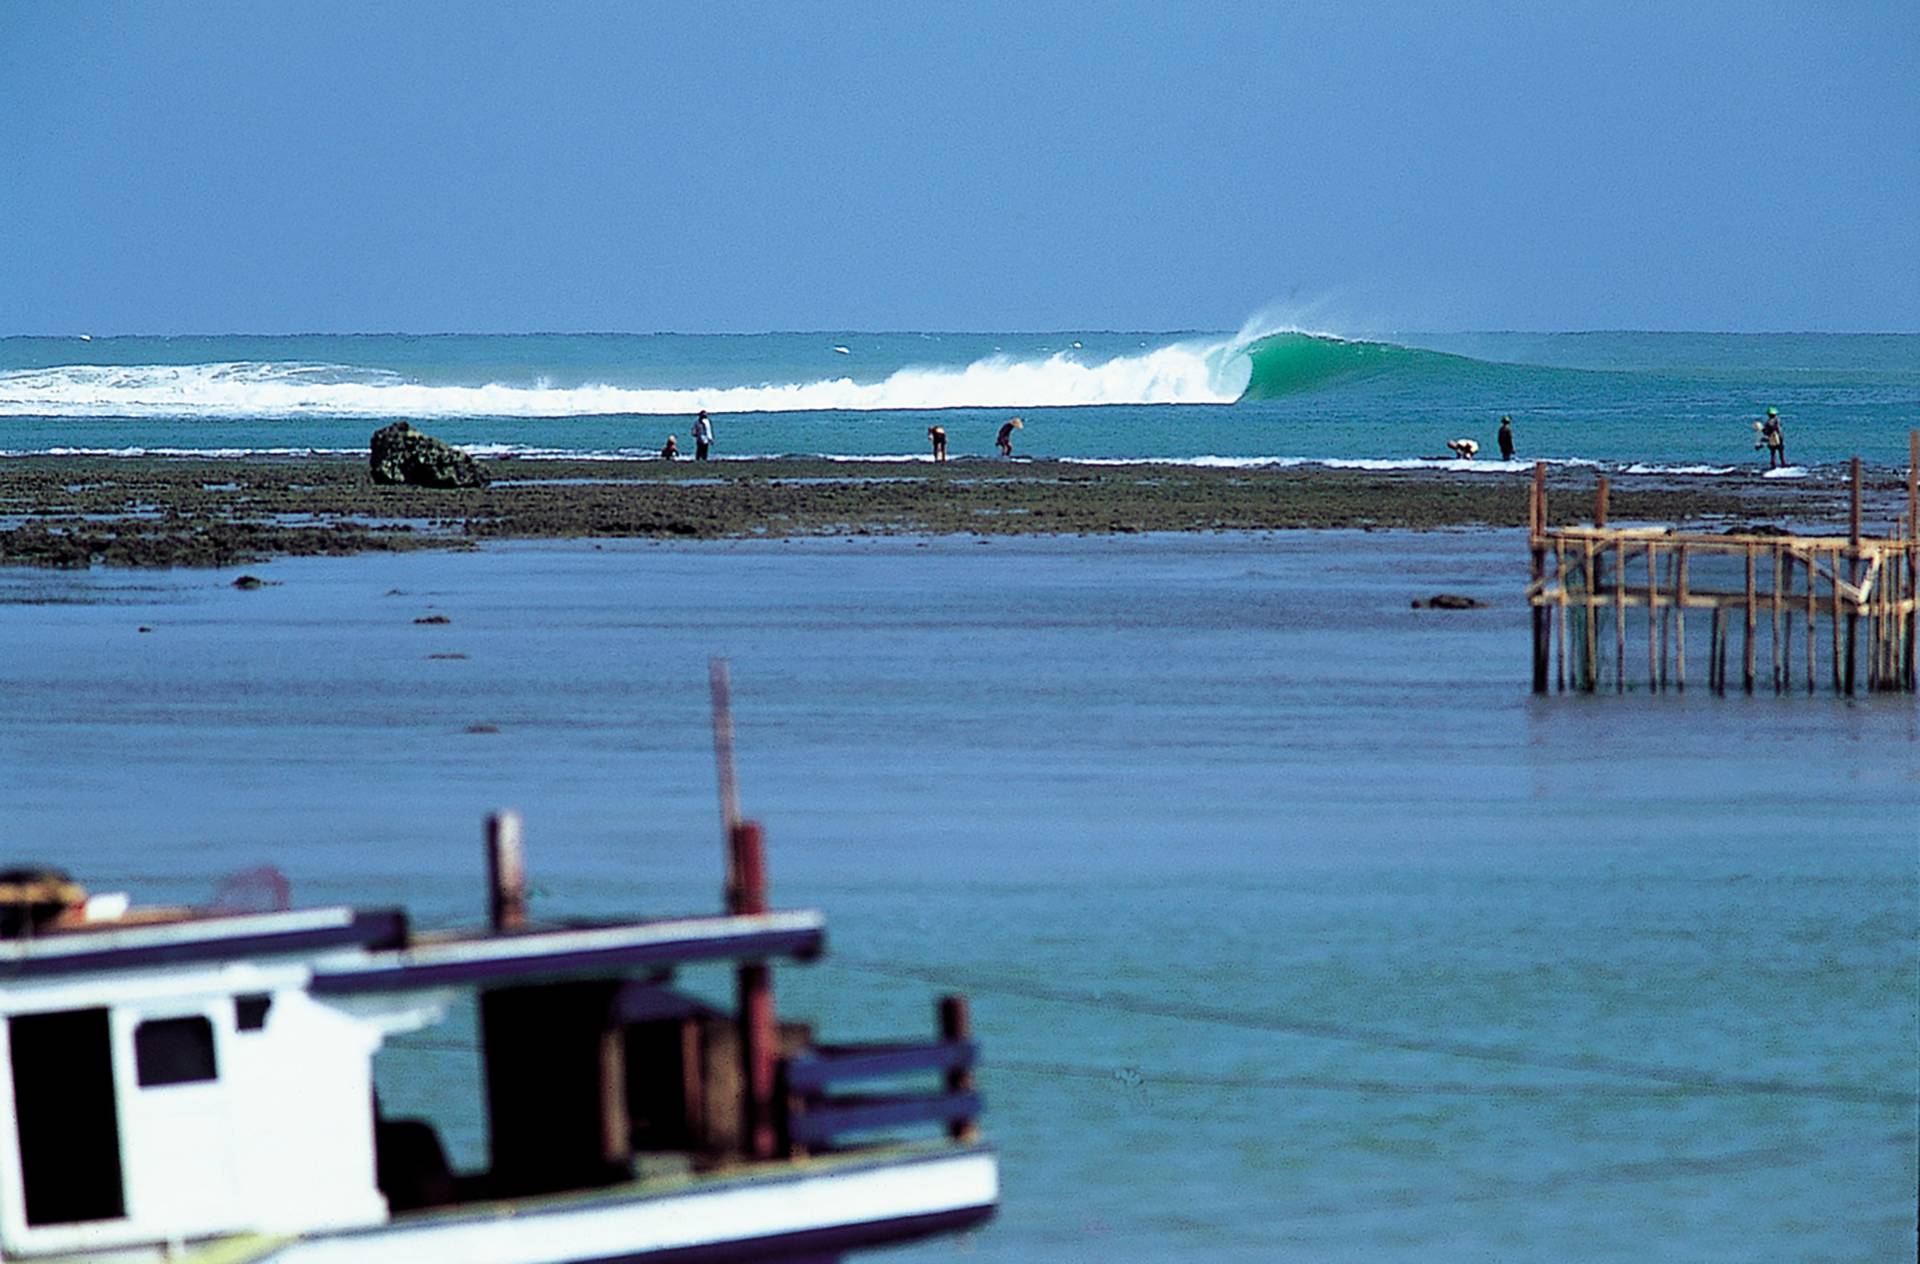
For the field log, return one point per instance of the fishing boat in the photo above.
(199, 1085)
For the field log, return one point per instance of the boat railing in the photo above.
(820, 1114)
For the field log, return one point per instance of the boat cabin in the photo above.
(182, 1082)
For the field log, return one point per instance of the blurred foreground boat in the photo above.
(199, 1085)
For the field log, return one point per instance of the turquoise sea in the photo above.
(1683, 403)
(1296, 927)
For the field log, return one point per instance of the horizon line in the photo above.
(88, 336)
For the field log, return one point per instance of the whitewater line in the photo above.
(1181, 373)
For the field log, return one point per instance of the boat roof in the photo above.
(545, 953)
(197, 938)
(359, 951)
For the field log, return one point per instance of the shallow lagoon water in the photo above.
(1295, 927)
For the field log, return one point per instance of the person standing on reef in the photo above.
(1773, 440)
(1005, 441)
(702, 436)
(672, 451)
(939, 436)
(1506, 438)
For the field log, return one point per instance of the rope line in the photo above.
(1589, 1064)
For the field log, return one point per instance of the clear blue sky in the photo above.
(285, 167)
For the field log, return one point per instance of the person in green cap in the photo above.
(1773, 440)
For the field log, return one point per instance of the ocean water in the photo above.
(1677, 402)
(1296, 928)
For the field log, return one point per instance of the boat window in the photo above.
(173, 1051)
(250, 1012)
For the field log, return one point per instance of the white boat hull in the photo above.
(808, 1210)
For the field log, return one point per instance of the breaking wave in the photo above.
(1181, 373)
(1292, 363)
(1192, 371)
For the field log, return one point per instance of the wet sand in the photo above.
(193, 511)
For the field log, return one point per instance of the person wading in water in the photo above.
(1005, 441)
(1506, 438)
(702, 436)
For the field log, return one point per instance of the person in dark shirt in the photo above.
(672, 450)
(1005, 441)
(939, 436)
(1773, 439)
(1506, 438)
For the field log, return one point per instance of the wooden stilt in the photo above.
(1653, 617)
(1666, 625)
(1813, 618)
(1542, 615)
(1590, 678)
(1726, 644)
(1593, 587)
(1619, 617)
(1717, 634)
(1726, 649)
(1838, 679)
(1913, 553)
(1560, 655)
(1779, 578)
(1853, 575)
(1874, 648)
(1680, 620)
(1746, 639)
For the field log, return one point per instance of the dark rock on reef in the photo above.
(1449, 601)
(433, 619)
(1759, 528)
(401, 454)
(247, 583)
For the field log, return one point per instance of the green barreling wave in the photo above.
(1294, 363)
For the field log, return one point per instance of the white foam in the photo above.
(531, 452)
(1210, 372)
(1787, 471)
(1642, 467)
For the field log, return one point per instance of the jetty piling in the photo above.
(1864, 588)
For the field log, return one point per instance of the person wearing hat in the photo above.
(1506, 438)
(1005, 441)
(702, 436)
(1773, 440)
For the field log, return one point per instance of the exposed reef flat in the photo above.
(193, 511)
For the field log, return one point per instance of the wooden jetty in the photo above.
(1808, 609)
